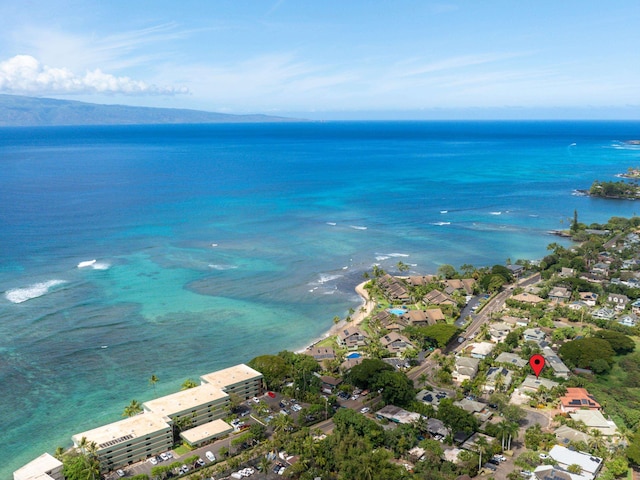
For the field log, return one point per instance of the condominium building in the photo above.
(241, 380)
(191, 407)
(45, 467)
(129, 440)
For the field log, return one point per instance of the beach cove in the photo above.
(214, 244)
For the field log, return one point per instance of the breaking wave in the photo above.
(19, 295)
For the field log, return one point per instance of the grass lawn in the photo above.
(182, 449)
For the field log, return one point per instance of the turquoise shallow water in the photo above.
(296, 213)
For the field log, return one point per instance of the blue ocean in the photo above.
(131, 251)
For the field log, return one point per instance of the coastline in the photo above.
(362, 312)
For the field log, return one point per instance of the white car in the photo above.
(120, 473)
(364, 410)
(210, 456)
(544, 456)
(153, 461)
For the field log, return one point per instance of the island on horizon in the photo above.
(22, 111)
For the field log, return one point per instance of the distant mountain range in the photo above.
(23, 111)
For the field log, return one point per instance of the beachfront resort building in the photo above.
(240, 380)
(197, 412)
(45, 467)
(191, 407)
(129, 440)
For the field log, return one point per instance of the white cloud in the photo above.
(24, 74)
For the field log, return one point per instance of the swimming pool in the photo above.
(397, 311)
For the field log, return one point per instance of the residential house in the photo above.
(436, 297)
(635, 307)
(499, 331)
(629, 320)
(437, 428)
(566, 435)
(352, 338)
(604, 313)
(466, 368)
(549, 472)
(557, 365)
(397, 414)
(511, 359)
(470, 442)
(589, 298)
(482, 350)
(527, 298)
(594, 419)
(578, 305)
(578, 399)
(516, 270)
(559, 295)
(498, 379)
(619, 301)
(534, 335)
(329, 384)
(590, 465)
(532, 384)
(567, 272)
(396, 343)
(478, 409)
(600, 269)
(517, 321)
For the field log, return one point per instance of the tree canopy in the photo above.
(593, 353)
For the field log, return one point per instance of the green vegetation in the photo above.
(619, 189)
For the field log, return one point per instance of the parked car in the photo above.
(120, 473)
(364, 410)
(544, 456)
(200, 462)
(184, 469)
(153, 461)
(210, 456)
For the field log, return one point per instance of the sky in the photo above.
(330, 59)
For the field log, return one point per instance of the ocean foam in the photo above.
(495, 213)
(444, 211)
(19, 295)
(324, 278)
(440, 223)
(381, 257)
(222, 267)
(101, 266)
(358, 227)
(333, 224)
(87, 263)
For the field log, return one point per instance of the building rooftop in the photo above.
(579, 398)
(37, 467)
(185, 400)
(204, 432)
(127, 429)
(511, 358)
(533, 383)
(231, 376)
(564, 456)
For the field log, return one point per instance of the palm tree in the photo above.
(153, 380)
(132, 409)
(481, 444)
(187, 384)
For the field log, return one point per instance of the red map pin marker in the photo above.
(537, 363)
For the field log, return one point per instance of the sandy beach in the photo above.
(357, 318)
